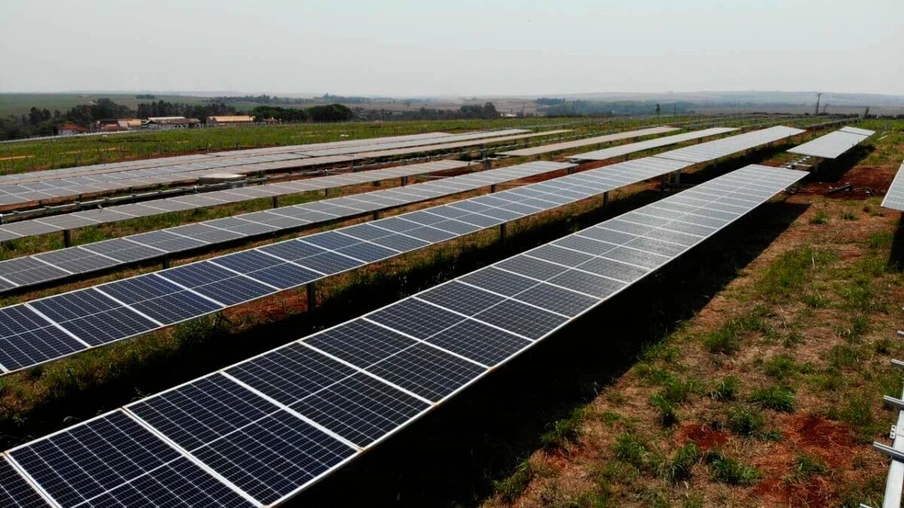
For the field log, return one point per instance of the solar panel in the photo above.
(526, 152)
(15, 491)
(113, 460)
(833, 144)
(712, 150)
(262, 449)
(629, 148)
(894, 197)
(268, 427)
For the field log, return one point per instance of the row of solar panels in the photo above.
(59, 325)
(63, 263)
(834, 144)
(44, 225)
(76, 186)
(259, 432)
(111, 167)
(608, 138)
(32, 227)
(45, 267)
(629, 148)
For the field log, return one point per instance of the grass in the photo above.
(679, 467)
(746, 421)
(774, 397)
(808, 465)
(727, 389)
(731, 471)
(564, 431)
(791, 271)
(821, 217)
(515, 484)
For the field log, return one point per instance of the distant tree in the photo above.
(331, 113)
(35, 117)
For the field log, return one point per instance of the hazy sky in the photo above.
(463, 47)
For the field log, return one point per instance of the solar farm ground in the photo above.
(748, 373)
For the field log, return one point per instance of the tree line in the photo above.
(42, 122)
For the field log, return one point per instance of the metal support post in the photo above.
(166, 261)
(404, 181)
(276, 201)
(662, 183)
(67, 238)
(502, 232)
(311, 290)
(376, 215)
(605, 200)
(492, 188)
(678, 177)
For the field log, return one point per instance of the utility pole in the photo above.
(818, 96)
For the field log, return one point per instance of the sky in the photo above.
(452, 48)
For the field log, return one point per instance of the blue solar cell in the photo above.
(415, 318)
(360, 408)
(427, 371)
(262, 449)
(293, 250)
(87, 460)
(93, 317)
(291, 373)
(330, 263)
(27, 339)
(367, 252)
(461, 298)
(160, 299)
(359, 342)
(479, 342)
(521, 319)
(15, 492)
(217, 283)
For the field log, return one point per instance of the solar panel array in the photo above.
(64, 324)
(629, 148)
(894, 198)
(44, 225)
(537, 150)
(833, 144)
(112, 167)
(73, 186)
(726, 146)
(46, 267)
(260, 431)
(59, 264)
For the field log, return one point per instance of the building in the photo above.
(221, 120)
(68, 129)
(171, 122)
(129, 124)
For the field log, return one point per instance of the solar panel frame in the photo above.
(833, 144)
(894, 196)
